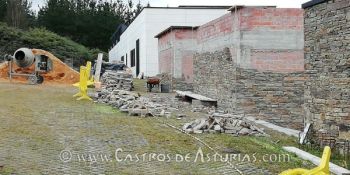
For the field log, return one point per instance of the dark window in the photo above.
(137, 57)
(132, 57)
(122, 58)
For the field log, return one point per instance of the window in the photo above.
(122, 58)
(137, 57)
(132, 57)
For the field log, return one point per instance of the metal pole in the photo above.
(10, 70)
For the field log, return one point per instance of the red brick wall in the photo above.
(184, 34)
(164, 40)
(277, 61)
(218, 27)
(187, 66)
(165, 60)
(272, 18)
(165, 53)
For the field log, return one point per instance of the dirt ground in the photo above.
(61, 73)
(44, 130)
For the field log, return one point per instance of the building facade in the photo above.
(176, 47)
(251, 61)
(327, 65)
(137, 46)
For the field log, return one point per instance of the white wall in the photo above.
(151, 22)
(128, 42)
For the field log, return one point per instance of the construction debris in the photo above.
(131, 103)
(116, 91)
(165, 78)
(117, 80)
(224, 123)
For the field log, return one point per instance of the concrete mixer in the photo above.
(29, 65)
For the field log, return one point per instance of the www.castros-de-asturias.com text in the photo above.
(199, 157)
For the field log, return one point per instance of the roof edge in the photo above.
(174, 27)
(312, 3)
(190, 7)
(237, 7)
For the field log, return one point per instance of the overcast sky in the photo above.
(175, 3)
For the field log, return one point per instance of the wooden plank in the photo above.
(304, 134)
(195, 96)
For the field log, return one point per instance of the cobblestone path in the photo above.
(43, 130)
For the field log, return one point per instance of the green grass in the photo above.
(336, 158)
(33, 105)
(139, 86)
(260, 147)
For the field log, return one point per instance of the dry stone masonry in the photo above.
(275, 97)
(117, 80)
(327, 65)
(176, 83)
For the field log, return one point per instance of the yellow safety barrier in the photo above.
(82, 94)
(322, 169)
(90, 78)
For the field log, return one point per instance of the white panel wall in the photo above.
(149, 23)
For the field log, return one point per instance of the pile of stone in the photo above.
(165, 78)
(224, 123)
(132, 103)
(117, 80)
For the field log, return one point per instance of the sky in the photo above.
(175, 3)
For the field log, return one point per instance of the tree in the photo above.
(3, 9)
(89, 22)
(17, 13)
(138, 9)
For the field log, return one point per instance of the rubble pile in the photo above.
(132, 103)
(224, 123)
(165, 78)
(117, 80)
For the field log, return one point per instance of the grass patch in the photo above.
(336, 158)
(139, 86)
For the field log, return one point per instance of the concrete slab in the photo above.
(316, 160)
(195, 96)
(288, 131)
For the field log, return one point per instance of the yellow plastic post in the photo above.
(82, 94)
(322, 169)
(90, 78)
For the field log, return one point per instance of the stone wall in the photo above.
(251, 60)
(276, 97)
(327, 64)
(215, 77)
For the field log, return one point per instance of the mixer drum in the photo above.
(24, 57)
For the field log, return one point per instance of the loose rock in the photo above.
(224, 123)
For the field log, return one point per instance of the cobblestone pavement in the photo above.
(43, 130)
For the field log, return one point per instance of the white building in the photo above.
(137, 46)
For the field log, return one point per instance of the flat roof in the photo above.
(232, 8)
(174, 27)
(312, 3)
(192, 7)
